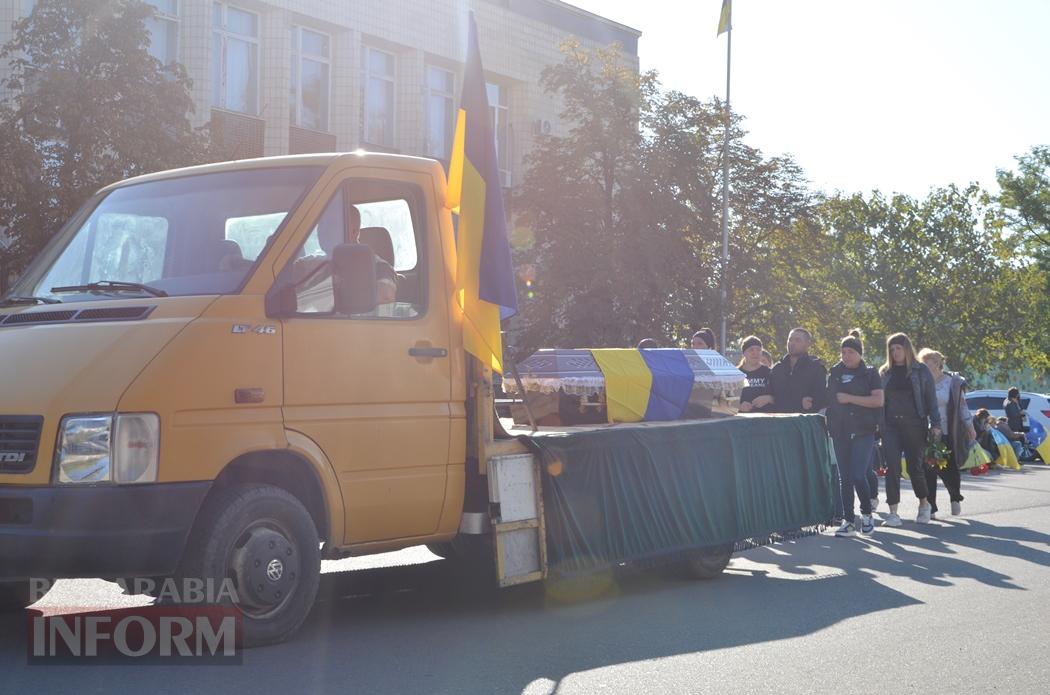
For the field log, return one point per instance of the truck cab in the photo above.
(232, 370)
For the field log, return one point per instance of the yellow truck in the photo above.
(235, 370)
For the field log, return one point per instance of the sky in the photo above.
(895, 95)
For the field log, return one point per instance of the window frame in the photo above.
(500, 113)
(225, 34)
(367, 76)
(163, 17)
(451, 96)
(298, 56)
(417, 206)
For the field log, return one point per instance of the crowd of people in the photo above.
(889, 414)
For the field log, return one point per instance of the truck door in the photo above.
(373, 390)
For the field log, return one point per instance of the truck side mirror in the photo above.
(354, 279)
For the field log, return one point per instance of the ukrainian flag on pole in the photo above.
(485, 288)
(725, 19)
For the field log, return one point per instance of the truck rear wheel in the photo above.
(260, 539)
(706, 563)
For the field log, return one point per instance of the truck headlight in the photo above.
(121, 448)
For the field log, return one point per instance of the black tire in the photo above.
(706, 563)
(262, 539)
(17, 595)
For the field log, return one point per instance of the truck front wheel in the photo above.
(262, 542)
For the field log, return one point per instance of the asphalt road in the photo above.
(961, 605)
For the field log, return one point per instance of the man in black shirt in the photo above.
(798, 382)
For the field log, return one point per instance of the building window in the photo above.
(163, 28)
(311, 53)
(380, 69)
(441, 112)
(235, 59)
(499, 119)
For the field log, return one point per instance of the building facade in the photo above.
(295, 76)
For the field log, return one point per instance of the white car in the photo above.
(1037, 405)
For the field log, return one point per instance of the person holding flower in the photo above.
(958, 429)
(911, 408)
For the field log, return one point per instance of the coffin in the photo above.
(569, 387)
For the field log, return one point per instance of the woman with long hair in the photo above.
(958, 429)
(755, 397)
(911, 414)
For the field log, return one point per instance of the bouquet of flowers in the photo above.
(936, 454)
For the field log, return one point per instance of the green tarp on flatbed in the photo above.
(633, 492)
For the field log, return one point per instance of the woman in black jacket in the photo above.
(911, 415)
(855, 398)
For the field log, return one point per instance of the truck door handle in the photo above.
(420, 351)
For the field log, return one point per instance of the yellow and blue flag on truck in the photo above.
(485, 287)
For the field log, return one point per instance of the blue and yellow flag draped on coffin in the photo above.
(645, 384)
(485, 289)
(1040, 440)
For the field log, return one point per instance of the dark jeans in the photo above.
(854, 454)
(873, 479)
(949, 475)
(905, 435)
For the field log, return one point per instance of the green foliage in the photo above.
(90, 106)
(625, 215)
(933, 269)
(1026, 197)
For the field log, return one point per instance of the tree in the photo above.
(1026, 196)
(772, 250)
(91, 106)
(626, 214)
(936, 269)
(597, 257)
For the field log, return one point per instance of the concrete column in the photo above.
(346, 89)
(195, 54)
(275, 62)
(410, 102)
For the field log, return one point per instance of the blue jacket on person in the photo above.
(924, 391)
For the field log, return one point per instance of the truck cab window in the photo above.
(386, 225)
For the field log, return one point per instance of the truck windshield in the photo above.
(197, 234)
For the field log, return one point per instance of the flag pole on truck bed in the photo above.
(725, 24)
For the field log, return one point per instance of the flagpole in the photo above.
(725, 194)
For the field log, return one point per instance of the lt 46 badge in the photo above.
(259, 330)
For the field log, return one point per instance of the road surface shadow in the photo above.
(435, 628)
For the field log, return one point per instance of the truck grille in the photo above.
(19, 441)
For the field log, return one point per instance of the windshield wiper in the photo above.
(12, 301)
(110, 286)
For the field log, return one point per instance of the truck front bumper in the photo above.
(103, 531)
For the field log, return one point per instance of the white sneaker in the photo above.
(867, 525)
(924, 515)
(874, 504)
(847, 530)
(892, 519)
(956, 508)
